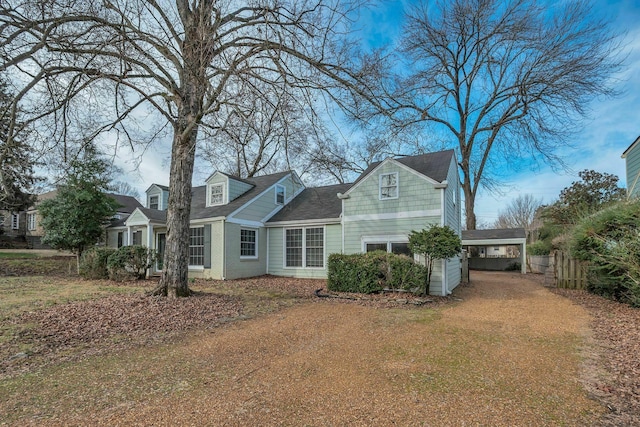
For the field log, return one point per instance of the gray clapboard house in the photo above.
(273, 224)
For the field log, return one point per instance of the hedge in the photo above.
(93, 264)
(130, 262)
(374, 271)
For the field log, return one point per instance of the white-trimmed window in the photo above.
(304, 247)
(120, 238)
(216, 194)
(31, 221)
(15, 221)
(281, 193)
(392, 244)
(248, 243)
(196, 246)
(388, 186)
(154, 202)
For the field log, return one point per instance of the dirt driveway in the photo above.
(507, 354)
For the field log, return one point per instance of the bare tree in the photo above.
(520, 213)
(184, 60)
(508, 81)
(124, 188)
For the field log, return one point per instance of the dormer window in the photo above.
(388, 186)
(280, 194)
(216, 194)
(154, 202)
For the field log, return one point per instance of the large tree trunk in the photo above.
(174, 281)
(469, 197)
(196, 51)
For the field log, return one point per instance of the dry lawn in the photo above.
(502, 352)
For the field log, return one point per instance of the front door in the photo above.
(161, 241)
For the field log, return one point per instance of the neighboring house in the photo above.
(631, 158)
(496, 249)
(12, 225)
(33, 231)
(273, 224)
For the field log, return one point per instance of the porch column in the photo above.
(129, 236)
(149, 246)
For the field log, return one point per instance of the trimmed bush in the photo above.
(374, 271)
(541, 247)
(93, 264)
(130, 262)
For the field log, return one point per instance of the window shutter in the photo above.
(207, 246)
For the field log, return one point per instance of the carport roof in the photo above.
(494, 234)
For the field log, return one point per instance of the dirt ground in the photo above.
(506, 352)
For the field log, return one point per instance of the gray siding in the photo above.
(633, 169)
(355, 232)
(237, 267)
(332, 244)
(237, 188)
(264, 205)
(414, 194)
(453, 218)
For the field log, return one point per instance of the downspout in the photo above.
(443, 186)
(267, 250)
(224, 250)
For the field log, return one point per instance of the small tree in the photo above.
(75, 219)
(434, 243)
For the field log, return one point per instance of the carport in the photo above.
(492, 247)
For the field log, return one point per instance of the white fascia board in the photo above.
(394, 215)
(624, 155)
(247, 223)
(304, 222)
(494, 242)
(206, 220)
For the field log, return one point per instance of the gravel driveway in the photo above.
(506, 354)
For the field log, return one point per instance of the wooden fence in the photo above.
(569, 273)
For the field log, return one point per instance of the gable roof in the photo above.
(494, 234)
(200, 210)
(633, 144)
(433, 165)
(313, 203)
(234, 177)
(127, 203)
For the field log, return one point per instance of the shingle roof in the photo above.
(497, 234)
(127, 203)
(199, 209)
(313, 203)
(434, 165)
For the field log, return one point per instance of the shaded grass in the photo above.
(18, 255)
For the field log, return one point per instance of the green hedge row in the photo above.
(374, 271)
(125, 263)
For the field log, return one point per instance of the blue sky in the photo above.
(614, 123)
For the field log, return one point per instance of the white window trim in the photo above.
(304, 248)
(197, 266)
(31, 221)
(256, 243)
(224, 194)
(15, 221)
(284, 195)
(158, 202)
(388, 240)
(380, 186)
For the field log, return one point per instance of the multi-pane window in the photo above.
(248, 243)
(280, 194)
(399, 248)
(31, 221)
(120, 238)
(154, 202)
(293, 247)
(216, 194)
(314, 249)
(15, 221)
(304, 247)
(389, 186)
(137, 238)
(196, 246)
